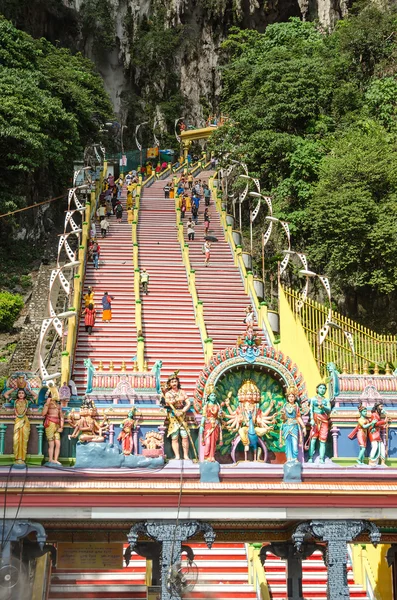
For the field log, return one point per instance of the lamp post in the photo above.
(138, 145)
(122, 146)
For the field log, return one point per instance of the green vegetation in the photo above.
(10, 307)
(314, 116)
(53, 104)
(154, 77)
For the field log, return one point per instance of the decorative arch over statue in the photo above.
(249, 382)
(268, 360)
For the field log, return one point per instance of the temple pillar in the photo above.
(392, 562)
(288, 552)
(14, 530)
(337, 533)
(170, 534)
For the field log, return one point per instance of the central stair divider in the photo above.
(191, 276)
(140, 348)
(248, 278)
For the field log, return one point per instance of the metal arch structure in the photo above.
(137, 128)
(56, 321)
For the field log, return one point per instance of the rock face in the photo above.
(142, 48)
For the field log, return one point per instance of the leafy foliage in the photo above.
(52, 104)
(314, 117)
(10, 307)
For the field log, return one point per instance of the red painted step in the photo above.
(114, 341)
(169, 327)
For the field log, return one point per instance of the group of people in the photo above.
(190, 192)
(90, 312)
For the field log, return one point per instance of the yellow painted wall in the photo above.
(294, 343)
(370, 566)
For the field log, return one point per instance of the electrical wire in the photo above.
(13, 212)
(4, 541)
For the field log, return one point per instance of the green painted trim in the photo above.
(208, 340)
(141, 339)
(65, 353)
(77, 276)
(138, 301)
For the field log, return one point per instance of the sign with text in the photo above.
(154, 592)
(90, 555)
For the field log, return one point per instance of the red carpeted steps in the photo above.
(114, 341)
(314, 579)
(169, 327)
(121, 584)
(223, 574)
(219, 286)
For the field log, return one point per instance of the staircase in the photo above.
(114, 341)
(219, 286)
(169, 327)
(223, 573)
(314, 579)
(129, 582)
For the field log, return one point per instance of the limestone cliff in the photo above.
(159, 57)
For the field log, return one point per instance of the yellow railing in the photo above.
(369, 348)
(191, 276)
(371, 571)
(248, 278)
(256, 572)
(42, 577)
(73, 324)
(138, 302)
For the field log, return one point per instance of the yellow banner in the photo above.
(90, 555)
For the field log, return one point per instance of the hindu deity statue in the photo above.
(247, 418)
(375, 434)
(126, 434)
(361, 431)
(211, 427)
(21, 427)
(177, 403)
(320, 409)
(53, 426)
(293, 428)
(20, 382)
(86, 428)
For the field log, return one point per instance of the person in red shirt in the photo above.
(89, 318)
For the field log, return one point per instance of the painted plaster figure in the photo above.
(293, 428)
(178, 404)
(126, 433)
(21, 428)
(320, 409)
(361, 431)
(53, 426)
(378, 450)
(210, 427)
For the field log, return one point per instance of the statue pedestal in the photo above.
(104, 456)
(292, 471)
(209, 472)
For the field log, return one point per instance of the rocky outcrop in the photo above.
(119, 36)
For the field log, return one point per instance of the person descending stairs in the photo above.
(114, 341)
(220, 286)
(169, 326)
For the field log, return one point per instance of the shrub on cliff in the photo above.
(10, 307)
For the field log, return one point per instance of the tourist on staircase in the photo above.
(119, 212)
(207, 251)
(107, 307)
(145, 280)
(95, 253)
(167, 189)
(89, 318)
(190, 230)
(104, 224)
(207, 220)
(89, 297)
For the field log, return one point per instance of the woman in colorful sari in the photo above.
(293, 428)
(107, 307)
